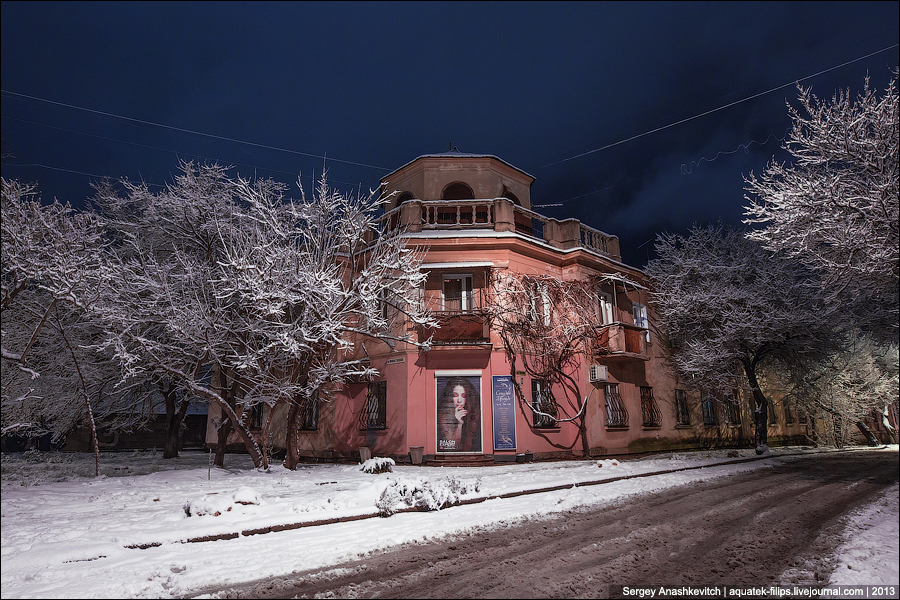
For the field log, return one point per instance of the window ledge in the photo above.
(617, 428)
(651, 427)
(547, 429)
(684, 426)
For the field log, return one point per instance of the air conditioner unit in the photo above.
(597, 373)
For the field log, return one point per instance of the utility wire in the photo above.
(182, 130)
(723, 107)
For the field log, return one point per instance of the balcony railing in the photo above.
(502, 215)
(457, 328)
(622, 340)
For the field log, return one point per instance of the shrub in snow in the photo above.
(246, 495)
(423, 494)
(378, 465)
(211, 504)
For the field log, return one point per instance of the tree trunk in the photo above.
(174, 419)
(222, 441)
(760, 412)
(292, 458)
(870, 437)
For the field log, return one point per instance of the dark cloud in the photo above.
(373, 85)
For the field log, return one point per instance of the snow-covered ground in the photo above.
(68, 535)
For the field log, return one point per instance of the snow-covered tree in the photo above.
(727, 306)
(269, 294)
(547, 326)
(856, 381)
(837, 206)
(50, 276)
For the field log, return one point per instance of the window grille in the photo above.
(802, 417)
(709, 412)
(649, 409)
(374, 412)
(732, 411)
(616, 415)
(309, 414)
(682, 414)
(542, 400)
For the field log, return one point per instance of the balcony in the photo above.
(457, 328)
(501, 215)
(622, 341)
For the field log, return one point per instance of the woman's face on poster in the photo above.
(458, 396)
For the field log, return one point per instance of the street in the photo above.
(744, 529)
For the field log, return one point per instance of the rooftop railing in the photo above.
(500, 214)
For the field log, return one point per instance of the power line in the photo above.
(723, 107)
(200, 133)
(177, 153)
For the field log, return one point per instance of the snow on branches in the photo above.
(836, 207)
(728, 305)
(272, 294)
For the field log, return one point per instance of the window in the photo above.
(542, 400)
(649, 410)
(616, 415)
(457, 191)
(682, 415)
(773, 419)
(788, 415)
(709, 412)
(374, 412)
(256, 416)
(457, 293)
(639, 314)
(802, 417)
(732, 411)
(309, 414)
(606, 308)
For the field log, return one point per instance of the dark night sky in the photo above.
(556, 89)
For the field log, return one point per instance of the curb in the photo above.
(470, 501)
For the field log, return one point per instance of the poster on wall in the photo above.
(503, 401)
(458, 413)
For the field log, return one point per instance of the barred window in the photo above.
(772, 418)
(649, 409)
(682, 414)
(309, 414)
(802, 417)
(616, 415)
(709, 412)
(374, 412)
(732, 411)
(256, 416)
(543, 401)
(788, 414)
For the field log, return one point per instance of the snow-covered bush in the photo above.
(219, 504)
(423, 494)
(378, 465)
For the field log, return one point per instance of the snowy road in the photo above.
(750, 528)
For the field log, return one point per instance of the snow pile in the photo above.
(218, 504)
(423, 494)
(378, 465)
(608, 464)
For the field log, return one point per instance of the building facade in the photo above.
(467, 398)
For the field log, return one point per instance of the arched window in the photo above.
(510, 196)
(457, 191)
(404, 197)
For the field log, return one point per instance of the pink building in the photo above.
(457, 402)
